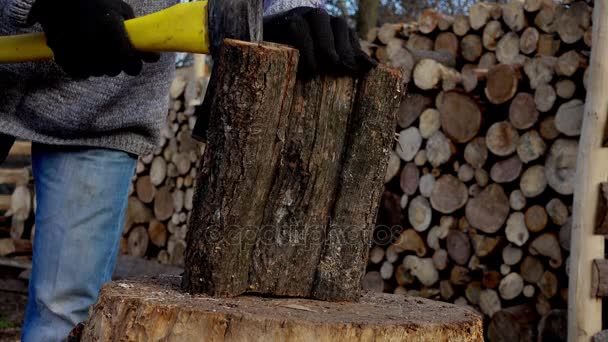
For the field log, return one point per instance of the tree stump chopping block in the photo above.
(287, 194)
(155, 309)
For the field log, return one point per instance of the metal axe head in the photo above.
(234, 19)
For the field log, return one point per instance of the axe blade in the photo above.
(234, 19)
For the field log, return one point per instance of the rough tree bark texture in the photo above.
(133, 311)
(287, 195)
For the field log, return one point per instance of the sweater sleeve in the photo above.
(18, 11)
(277, 6)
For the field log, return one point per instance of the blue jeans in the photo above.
(81, 198)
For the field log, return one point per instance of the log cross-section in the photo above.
(287, 194)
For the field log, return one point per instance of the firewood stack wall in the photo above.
(479, 186)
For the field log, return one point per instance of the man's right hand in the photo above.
(88, 37)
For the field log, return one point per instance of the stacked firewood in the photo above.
(479, 186)
(163, 187)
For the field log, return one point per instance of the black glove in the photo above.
(88, 37)
(326, 43)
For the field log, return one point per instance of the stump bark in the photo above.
(156, 309)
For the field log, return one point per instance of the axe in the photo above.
(196, 27)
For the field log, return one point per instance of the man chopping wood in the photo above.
(91, 112)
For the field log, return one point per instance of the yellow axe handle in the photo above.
(179, 28)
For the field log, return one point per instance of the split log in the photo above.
(409, 178)
(513, 15)
(533, 181)
(569, 62)
(511, 255)
(461, 25)
(481, 177)
(492, 33)
(484, 245)
(488, 211)
(530, 146)
(412, 105)
(428, 21)
(507, 170)
(507, 48)
(459, 275)
(553, 326)
(535, 5)
(403, 276)
(547, 18)
(569, 117)
(420, 213)
(471, 47)
(476, 152)
(449, 194)
(540, 70)
(522, 111)
(599, 282)
(489, 302)
(531, 269)
(458, 246)
(516, 230)
(574, 22)
(502, 81)
(460, 116)
(565, 88)
(428, 73)
(409, 143)
(502, 139)
(511, 286)
(471, 75)
(548, 45)
(410, 240)
(557, 211)
(547, 128)
(560, 166)
(515, 323)
(536, 218)
(517, 200)
(547, 245)
(138, 241)
(429, 122)
(439, 149)
(528, 40)
(448, 42)
(544, 97)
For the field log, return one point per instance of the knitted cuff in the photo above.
(18, 11)
(278, 6)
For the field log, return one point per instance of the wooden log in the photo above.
(487, 61)
(507, 48)
(158, 171)
(491, 279)
(565, 88)
(410, 240)
(511, 286)
(373, 282)
(376, 255)
(522, 111)
(428, 21)
(516, 230)
(479, 14)
(507, 170)
(418, 42)
(476, 152)
(517, 200)
(531, 269)
(553, 325)
(409, 143)
(471, 47)
(447, 42)
(430, 122)
(472, 292)
(544, 97)
(188, 199)
(489, 302)
(137, 213)
(412, 105)
(387, 32)
(439, 149)
(536, 218)
(569, 62)
(428, 73)
(530, 146)
(427, 183)
(515, 323)
(484, 245)
(574, 22)
(535, 5)
(548, 284)
(492, 33)
(513, 15)
(386, 270)
(440, 259)
(14, 176)
(157, 233)
(471, 76)
(446, 290)
(11, 246)
(547, 245)
(547, 128)
(145, 189)
(422, 269)
(466, 173)
(163, 204)
(502, 139)
(528, 40)
(138, 241)
(403, 276)
(459, 275)
(419, 213)
(533, 181)
(560, 166)
(540, 70)
(283, 319)
(548, 45)
(393, 166)
(461, 25)
(445, 22)
(460, 116)
(409, 178)
(502, 81)
(511, 255)
(458, 247)
(599, 282)
(557, 211)
(569, 117)
(488, 211)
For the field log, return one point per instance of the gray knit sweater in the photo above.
(38, 102)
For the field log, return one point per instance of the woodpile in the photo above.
(478, 191)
